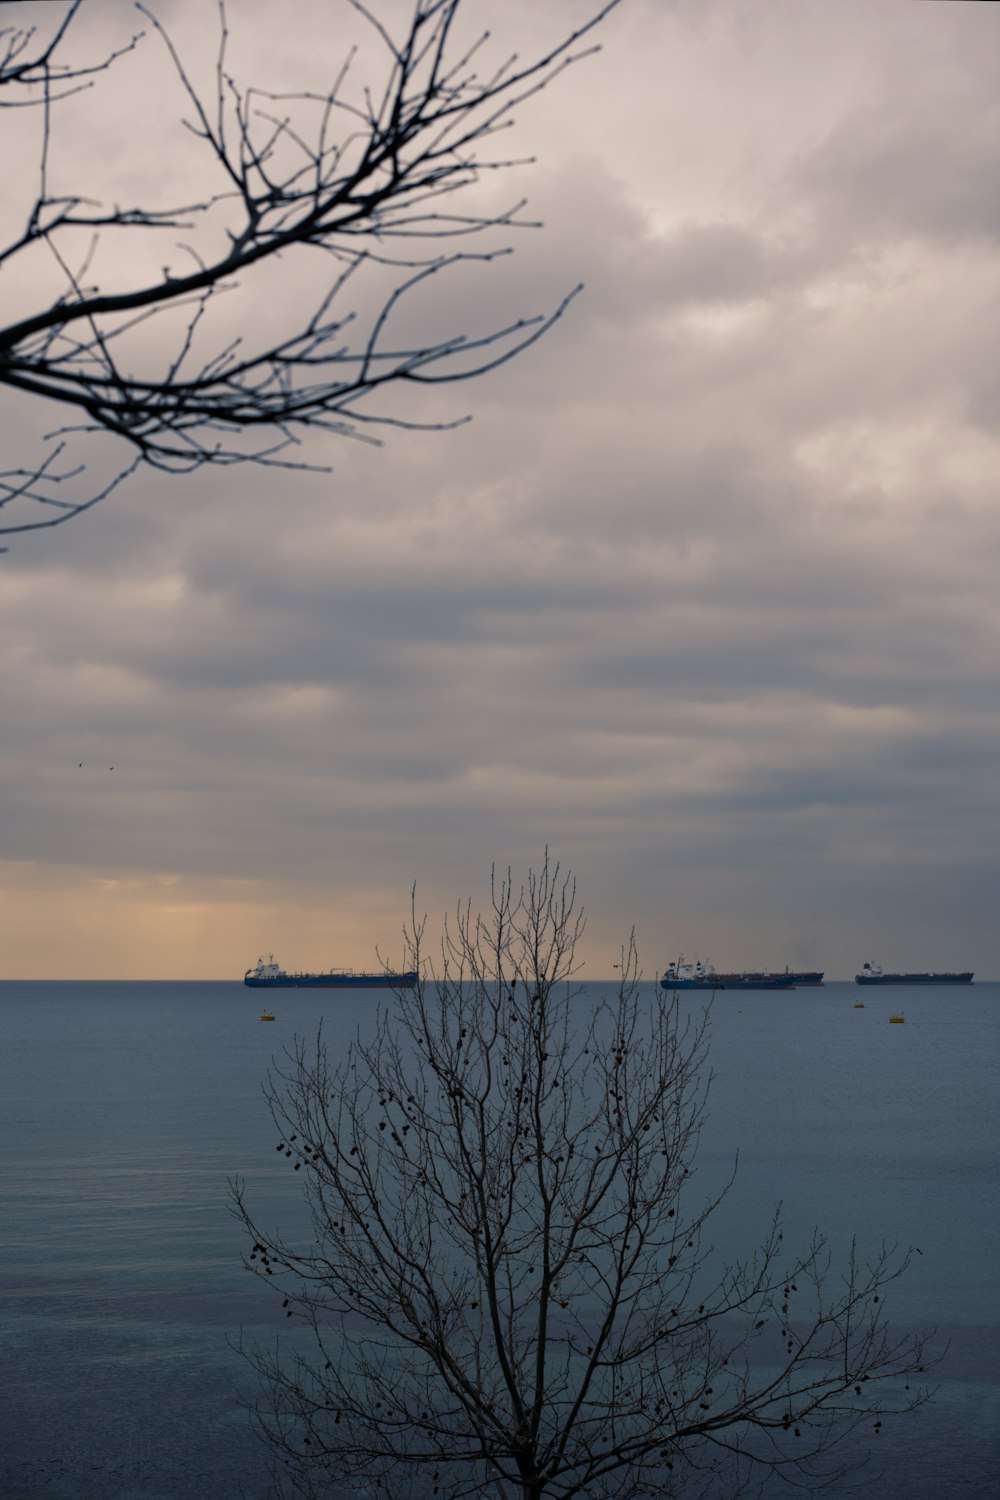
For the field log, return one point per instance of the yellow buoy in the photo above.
(859, 1005)
(266, 1015)
(897, 1020)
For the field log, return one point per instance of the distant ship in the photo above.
(872, 974)
(268, 976)
(699, 976)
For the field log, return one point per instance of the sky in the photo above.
(703, 600)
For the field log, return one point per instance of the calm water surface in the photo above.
(125, 1107)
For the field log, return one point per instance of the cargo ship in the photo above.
(699, 976)
(269, 976)
(872, 974)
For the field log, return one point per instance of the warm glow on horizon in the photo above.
(168, 927)
(703, 598)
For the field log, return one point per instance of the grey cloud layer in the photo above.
(704, 598)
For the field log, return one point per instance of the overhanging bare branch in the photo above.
(373, 174)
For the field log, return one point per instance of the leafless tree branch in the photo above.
(373, 174)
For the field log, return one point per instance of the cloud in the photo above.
(704, 597)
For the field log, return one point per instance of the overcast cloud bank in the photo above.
(704, 598)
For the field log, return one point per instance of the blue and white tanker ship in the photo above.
(699, 976)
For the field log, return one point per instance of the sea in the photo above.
(127, 1108)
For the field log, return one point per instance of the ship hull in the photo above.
(330, 981)
(881, 979)
(730, 982)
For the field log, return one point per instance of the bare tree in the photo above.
(374, 173)
(510, 1291)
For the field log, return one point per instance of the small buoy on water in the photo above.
(897, 1020)
(859, 1005)
(266, 1015)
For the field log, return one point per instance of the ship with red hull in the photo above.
(270, 976)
